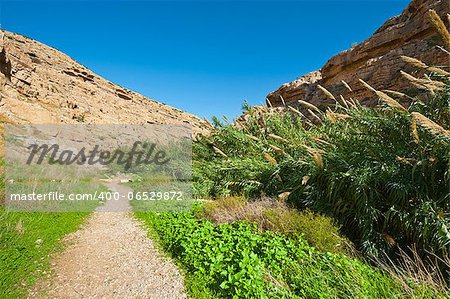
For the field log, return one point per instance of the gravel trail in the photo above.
(111, 257)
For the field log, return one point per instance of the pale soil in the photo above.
(111, 257)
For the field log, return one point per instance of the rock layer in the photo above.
(39, 84)
(376, 60)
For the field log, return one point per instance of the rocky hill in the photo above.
(39, 84)
(377, 60)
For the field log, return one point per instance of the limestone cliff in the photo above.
(376, 60)
(39, 84)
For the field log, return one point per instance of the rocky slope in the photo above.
(376, 60)
(39, 84)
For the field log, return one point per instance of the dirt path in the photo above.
(111, 257)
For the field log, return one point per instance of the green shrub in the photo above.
(320, 231)
(268, 214)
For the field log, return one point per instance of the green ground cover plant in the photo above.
(238, 261)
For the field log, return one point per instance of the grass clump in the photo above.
(270, 215)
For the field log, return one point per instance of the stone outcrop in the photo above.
(376, 60)
(39, 84)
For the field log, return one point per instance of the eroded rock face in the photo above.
(39, 84)
(376, 60)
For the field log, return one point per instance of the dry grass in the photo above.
(427, 84)
(398, 94)
(252, 137)
(414, 132)
(282, 100)
(225, 119)
(296, 111)
(430, 125)
(233, 208)
(419, 64)
(276, 216)
(278, 138)
(334, 116)
(315, 116)
(278, 150)
(439, 26)
(317, 158)
(354, 102)
(347, 86)
(330, 115)
(344, 101)
(384, 97)
(326, 92)
(309, 106)
(270, 159)
(410, 268)
(219, 151)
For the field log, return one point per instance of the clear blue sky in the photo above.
(204, 57)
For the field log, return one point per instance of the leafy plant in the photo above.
(237, 261)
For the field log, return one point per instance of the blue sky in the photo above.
(204, 57)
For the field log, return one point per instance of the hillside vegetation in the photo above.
(285, 193)
(382, 173)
